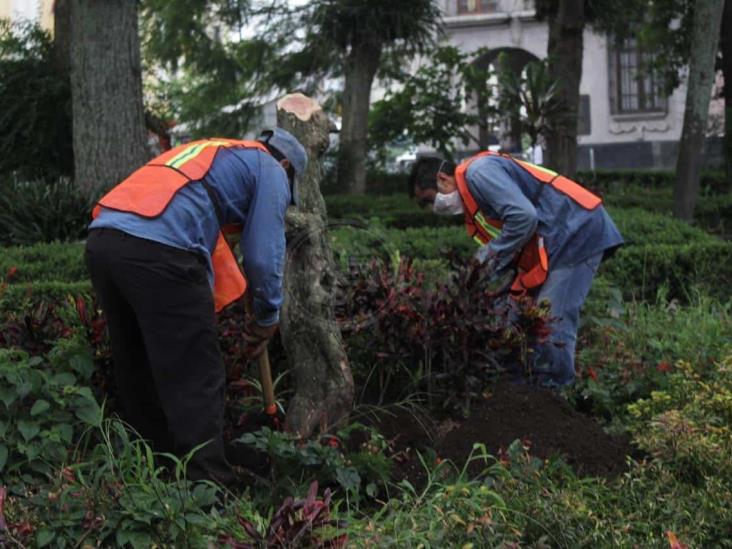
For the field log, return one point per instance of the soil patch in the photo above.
(540, 417)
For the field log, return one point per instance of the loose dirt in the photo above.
(545, 421)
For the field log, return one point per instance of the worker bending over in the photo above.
(551, 229)
(161, 268)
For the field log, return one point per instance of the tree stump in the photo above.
(310, 335)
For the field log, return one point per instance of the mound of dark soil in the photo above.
(540, 417)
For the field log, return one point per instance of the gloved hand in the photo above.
(257, 337)
(499, 279)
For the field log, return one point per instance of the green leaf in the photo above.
(29, 429)
(90, 413)
(8, 396)
(348, 478)
(3, 428)
(39, 407)
(44, 537)
(134, 538)
(3, 456)
(65, 431)
(64, 378)
(82, 364)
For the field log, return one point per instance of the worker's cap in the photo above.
(288, 146)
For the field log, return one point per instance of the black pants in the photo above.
(167, 361)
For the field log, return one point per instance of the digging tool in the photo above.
(265, 378)
(265, 370)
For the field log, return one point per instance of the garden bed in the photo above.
(541, 419)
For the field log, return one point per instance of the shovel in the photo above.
(265, 378)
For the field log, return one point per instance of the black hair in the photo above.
(424, 172)
(279, 157)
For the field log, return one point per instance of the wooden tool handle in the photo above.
(265, 376)
(265, 373)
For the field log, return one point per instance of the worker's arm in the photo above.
(495, 191)
(263, 242)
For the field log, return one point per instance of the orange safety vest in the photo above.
(149, 190)
(533, 261)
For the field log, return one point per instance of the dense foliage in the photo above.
(421, 334)
(35, 125)
(447, 340)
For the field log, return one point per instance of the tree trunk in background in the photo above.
(705, 39)
(106, 88)
(726, 38)
(62, 37)
(566, 27)
(361, 65)
(324, 387)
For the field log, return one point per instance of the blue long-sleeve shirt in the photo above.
(253, 190)
(504, 190)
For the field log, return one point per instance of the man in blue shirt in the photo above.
(154, 276)
(576, 238)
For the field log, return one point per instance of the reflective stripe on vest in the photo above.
(150, 189)
(533, 261)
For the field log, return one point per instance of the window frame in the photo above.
(621, 70)
(479, 9)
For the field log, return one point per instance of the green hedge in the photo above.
(711, 182)
(713, 213)
(660, 251)
(15, 298)
(714, 182)
(43, 262)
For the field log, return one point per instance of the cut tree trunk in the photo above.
(106, 88)
(566, 28)
(324, 387)
(361, 65)
(705, 38)
(726, 38)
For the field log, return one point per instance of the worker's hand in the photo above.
(257, 337)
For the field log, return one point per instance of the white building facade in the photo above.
(625, 119)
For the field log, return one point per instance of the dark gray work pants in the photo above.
(167, 362)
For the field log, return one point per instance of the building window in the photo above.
(476, 6)
(634, 88)
(584, 123)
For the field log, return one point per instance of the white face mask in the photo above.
(448, 204)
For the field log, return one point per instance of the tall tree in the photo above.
(361, 30)
(428, 106)
(106, 88)
(566, 29)
(293, 47)
(726, 47)
(705, 39)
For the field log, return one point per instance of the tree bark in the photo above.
(62, 37)
(324, 385)
(705, 39)
(566, 28)
(726, 39)
(106, 88)
(361, 65)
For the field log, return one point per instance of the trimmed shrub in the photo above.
(43, 262)
(713, 213)
(379, 182)
(643, 270)
(713, 182)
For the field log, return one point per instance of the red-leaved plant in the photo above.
(297, 523)
(451, 337)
